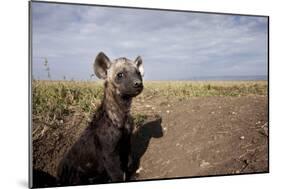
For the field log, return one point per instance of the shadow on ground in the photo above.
(141, 139)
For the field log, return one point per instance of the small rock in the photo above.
(147, 106)
(237, 172)
(258, 122)
(204, 163)
(255, 140)
(177, 144)
(139, 170)
(219, 107)
(169, 105)
(246, 161)
(233, 113)
(212, 112)
(264, 131)
(168, 111)
(242, 137)
(165, 129)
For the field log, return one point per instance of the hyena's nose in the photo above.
(138, 84)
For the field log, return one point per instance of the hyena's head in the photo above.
(123, 75)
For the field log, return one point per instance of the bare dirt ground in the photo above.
(208, 136)
(180, 137)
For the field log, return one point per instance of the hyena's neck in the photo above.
(117, 108)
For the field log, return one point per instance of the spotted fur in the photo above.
(102, 153)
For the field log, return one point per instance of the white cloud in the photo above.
(174, 45)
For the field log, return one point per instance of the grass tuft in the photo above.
(52, 101)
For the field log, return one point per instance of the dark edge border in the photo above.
(268, 94)
(140, 8)
(146, 8)
(160, 179)
(30, 157)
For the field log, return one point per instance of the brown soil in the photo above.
(180, 138)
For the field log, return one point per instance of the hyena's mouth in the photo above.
(138, 90)
(133, 94)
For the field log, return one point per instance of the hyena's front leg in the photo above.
(113, 168)
(132, 163)
(130, 168)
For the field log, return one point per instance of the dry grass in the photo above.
(206, 88)
(54, 100)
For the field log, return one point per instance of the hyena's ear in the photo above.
(101, 65)
(139, 64)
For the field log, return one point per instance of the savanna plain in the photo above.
(182, 128)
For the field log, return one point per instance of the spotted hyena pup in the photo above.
(102, 153)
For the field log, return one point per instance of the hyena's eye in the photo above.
(120, 75)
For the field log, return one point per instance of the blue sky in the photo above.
(173, 45)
